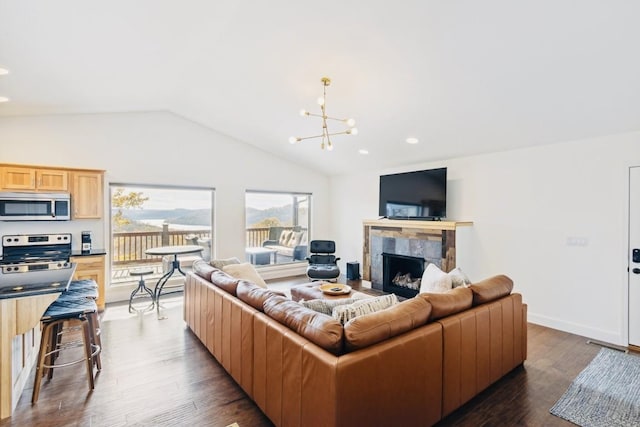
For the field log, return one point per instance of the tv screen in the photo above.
(414, 195)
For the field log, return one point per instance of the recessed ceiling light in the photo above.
(4, 99)
(363, 151)
(3, 71)
(412, 140)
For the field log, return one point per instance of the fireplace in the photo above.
(409, 267)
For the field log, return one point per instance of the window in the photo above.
(277, 227)
(144, 217)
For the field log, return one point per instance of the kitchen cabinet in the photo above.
(87, 194)
(33, 179)
(91, 267)
(85, 185)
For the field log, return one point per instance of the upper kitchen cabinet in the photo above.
(87, 194)
(15, 178)
(84, 185)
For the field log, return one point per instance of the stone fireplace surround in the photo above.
(432, 241)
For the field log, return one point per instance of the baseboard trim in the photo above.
(577, 329)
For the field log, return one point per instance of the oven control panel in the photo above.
(36, 239)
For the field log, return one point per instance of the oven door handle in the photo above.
(53, 208)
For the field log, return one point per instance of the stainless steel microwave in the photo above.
(35, 207)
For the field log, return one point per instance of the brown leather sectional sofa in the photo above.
(411, 364)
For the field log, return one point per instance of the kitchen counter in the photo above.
(90, 253)
(18, 285)
(24, 297)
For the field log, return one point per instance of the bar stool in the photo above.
(141, 289)
(74, 313)
(87, 289)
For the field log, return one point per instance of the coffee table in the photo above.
(312, 290)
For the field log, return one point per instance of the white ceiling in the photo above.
(464, 77)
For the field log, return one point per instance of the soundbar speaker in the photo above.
(353, 270)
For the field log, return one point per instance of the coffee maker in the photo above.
(86, 242)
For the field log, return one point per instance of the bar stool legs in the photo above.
(76, 311)
(52, 345)
(141, 290)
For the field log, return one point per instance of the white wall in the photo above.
(527, 205)
(157, 148)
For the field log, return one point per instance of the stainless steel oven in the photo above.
(35, 207)
(32, 264)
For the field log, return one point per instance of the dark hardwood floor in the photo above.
(156, 373)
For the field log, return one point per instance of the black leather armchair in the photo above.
(323, 265)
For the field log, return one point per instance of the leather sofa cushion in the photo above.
(318, 328)
(369, 329)
(254, 295)
(491, 289)
(224, 281)
(448, 303)
(202, 268)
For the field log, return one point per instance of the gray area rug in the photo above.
(605, 393)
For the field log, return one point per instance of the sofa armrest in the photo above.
(270, 242)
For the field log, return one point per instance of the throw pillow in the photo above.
(435, 280)
(245, 271)
(284, 237)
(326, 305)
(458, 278)
(296, 237)
(219, 263)
(344, 313)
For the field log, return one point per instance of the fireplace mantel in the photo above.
(436, 240)
(421, 225)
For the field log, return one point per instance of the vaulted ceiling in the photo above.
(464, 77)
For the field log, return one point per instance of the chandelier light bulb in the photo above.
(363, 151)
(3, 71)
(4, 99)
(329, 146)
(293, 140)
(320, 100)
(353, 131)
(351, 122)
(304, 112)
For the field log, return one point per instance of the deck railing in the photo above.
(130, 247)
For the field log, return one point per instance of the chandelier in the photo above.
(326, 135)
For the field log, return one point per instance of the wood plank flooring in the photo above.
(156, 373)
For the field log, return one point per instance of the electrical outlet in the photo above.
(577, 241)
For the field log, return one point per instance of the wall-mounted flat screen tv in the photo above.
(414, 195)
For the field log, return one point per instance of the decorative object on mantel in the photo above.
(325, 135)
